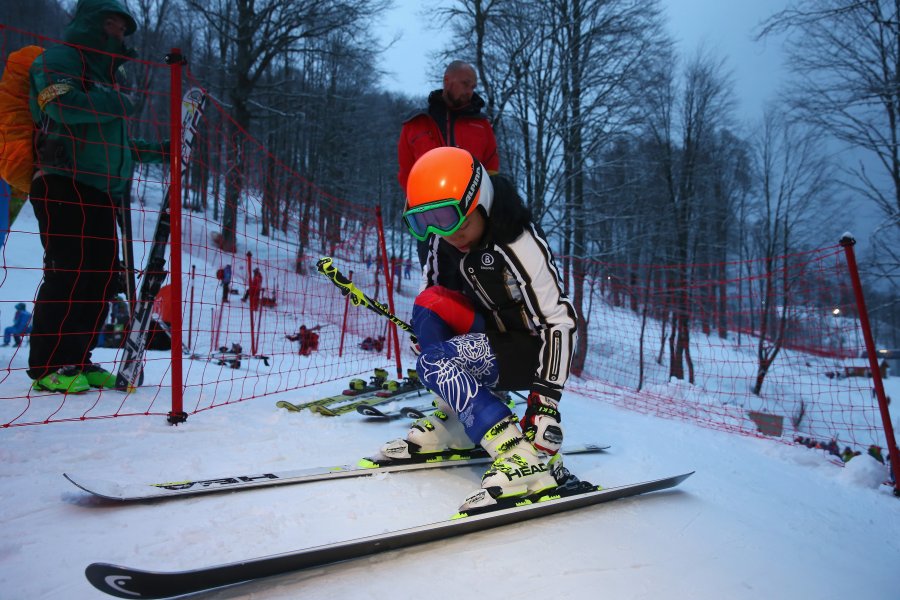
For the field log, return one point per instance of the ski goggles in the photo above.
(442, 217)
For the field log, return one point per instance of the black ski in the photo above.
(131, 365)
(133, 492)
(408, 412)
(125, 582)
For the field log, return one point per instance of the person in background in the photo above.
(254, 290)
(83, 162)
(452, 117)
(308, 338)
(226, 282)
(492, 316)
(21, 326)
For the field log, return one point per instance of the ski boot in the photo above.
(98, 377)
(68, 380)
(437, 433)
(518, 470)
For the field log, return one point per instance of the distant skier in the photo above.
(224, 276)
(21, 326)
(308, 338)
(254, 290)
(371, 344)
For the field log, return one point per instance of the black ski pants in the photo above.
(78, 232)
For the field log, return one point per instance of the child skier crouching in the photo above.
(492, 316)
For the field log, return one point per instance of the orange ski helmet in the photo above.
(445, 185)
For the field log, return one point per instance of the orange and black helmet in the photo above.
(445, 185)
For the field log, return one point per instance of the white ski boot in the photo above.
(518, 468)
(439, 432)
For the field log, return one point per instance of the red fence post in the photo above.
(346, 312)
(848, 242)
(390, 289)
(175, 60)
(249, 279)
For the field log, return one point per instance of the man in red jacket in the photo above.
(453, 117)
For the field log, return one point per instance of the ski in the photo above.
(392, 390)
(358, 388)
(371, 401)
(409, 412)
(112, 490)
(125, 582)
(131, 365)
(374, 413)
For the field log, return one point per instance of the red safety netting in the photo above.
(761, 347)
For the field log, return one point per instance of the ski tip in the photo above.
(596, 447)
(681, 478)
(369, 411)
(115, 580)
(674, 480)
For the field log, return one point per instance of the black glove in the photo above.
(542, 423)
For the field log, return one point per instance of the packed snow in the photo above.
(758, 519)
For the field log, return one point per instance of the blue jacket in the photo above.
(21, 321)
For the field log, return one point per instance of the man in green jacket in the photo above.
(83, 166)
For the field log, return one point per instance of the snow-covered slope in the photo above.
(757, 520)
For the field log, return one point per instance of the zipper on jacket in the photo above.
(555, 354)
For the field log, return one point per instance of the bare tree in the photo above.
(845, 55)
(19, 20)
(795, 186)
(683, 122)
(260, 33)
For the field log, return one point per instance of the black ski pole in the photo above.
(326, 267)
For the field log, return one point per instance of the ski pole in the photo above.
(326, 267)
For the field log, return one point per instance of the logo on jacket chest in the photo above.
(486, 265)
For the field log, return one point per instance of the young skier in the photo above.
(492, 316)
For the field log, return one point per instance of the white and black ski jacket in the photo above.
(518, 289)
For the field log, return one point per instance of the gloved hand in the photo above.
(541, 423)
(414, 346)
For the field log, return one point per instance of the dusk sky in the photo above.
(723, 27)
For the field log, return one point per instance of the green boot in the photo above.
(68, 380)
(98, 377)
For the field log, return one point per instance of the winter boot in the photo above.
(68, 380)
(98, 377)
(440, 431)
(518, 468)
